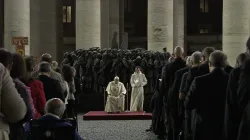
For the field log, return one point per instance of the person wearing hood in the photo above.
(137, 81)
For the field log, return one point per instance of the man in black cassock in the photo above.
(243, 133)
(200, 70)
(195, 71)
(167, 82)
(172, 104)
(231, 117)
(207, 96)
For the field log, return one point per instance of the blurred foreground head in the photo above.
(55, 107)
(178, 51)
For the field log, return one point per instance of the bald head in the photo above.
(55, 106)
(178, 51)
(217, 59)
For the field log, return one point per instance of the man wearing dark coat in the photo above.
(175, 98)
(167, 82)
(172, 102)
(243, 133)
(231, 117)
(51, 86)
(207, 96)
(200, 70)
(195, 71)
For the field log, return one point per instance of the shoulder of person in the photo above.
(194, 68)
(35, 82)
(236, 71)
(56, 73)
(202, 78)
(203, 66)
(55, 81)
(3, 71)
(120, 83)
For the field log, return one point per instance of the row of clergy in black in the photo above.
(207, 100)
(97, 67)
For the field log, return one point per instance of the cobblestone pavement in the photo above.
(115, 130)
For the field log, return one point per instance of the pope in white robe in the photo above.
(116, 96)
(137, 81)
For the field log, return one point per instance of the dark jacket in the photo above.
(59, 124)
(207, 95)
(194, 72)
(183, 83)
(168, 75)
(173, 102)
(168, 78)
(173, 96)
(52, 88)
(228, 69)
(243, 133)
(231, 117)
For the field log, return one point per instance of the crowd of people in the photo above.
(97, 67)
(203, 98)
(199, 97)
(34, 92)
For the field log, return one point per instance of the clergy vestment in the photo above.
(168, 79)
(232, 118)
(115, 99)
(173, 103)
(137, 81)
(243, 133)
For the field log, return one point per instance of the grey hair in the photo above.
(188, 61)
(196, 57)
(178, 51)
(55, 106)
(218, 59)
(54, 64)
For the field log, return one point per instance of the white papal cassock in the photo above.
(137, 81)
(116, 97)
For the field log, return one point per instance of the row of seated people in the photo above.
(33, 90)
(204, 100)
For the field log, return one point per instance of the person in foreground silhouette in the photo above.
(54, 110)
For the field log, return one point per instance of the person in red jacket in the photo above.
(36, 87)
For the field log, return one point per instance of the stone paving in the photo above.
(115, 129)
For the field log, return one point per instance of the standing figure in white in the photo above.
(116, 96)
(137, 81)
